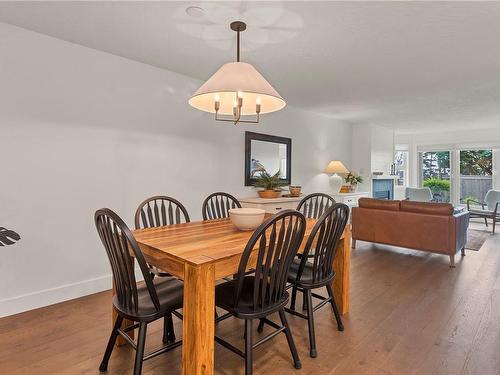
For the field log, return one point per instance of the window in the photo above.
(435, 173)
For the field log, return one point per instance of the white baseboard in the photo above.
(41, 298)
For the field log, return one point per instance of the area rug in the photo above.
(476, 239)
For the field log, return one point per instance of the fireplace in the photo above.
(383, 188)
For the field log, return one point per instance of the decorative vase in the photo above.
(294, 190)
(336, 183)
(354, 188)
(268, 194)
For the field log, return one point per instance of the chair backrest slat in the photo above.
(324, 240)
(160, 211)
(314, 205)
(217, 205)
(120, 244)
(276, 242)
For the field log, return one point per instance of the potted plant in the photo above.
(353, 179)
(271, 184)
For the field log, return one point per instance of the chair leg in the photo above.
(353, 243)
(486, 222)
(335, 308)
(310, 320)
(139, 354)
(463, 251)
(111, 344)
(452, 261)
(248, 347)
(289, 338)
(304, 301)
(494, 223)
(260, 328)
(293, 299)
(168, 329)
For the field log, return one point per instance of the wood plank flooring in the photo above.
(410, 314)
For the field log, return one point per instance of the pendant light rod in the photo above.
(238, 46)
(238, 26)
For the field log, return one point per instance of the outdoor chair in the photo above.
(489, 208)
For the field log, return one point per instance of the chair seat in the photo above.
(225, 298)
(481, 212)
(169, 291)
(306, 279)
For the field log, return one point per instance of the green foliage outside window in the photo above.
(437, 184)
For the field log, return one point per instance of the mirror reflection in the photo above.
(268, 157)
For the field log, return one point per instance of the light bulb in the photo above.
(217, 102)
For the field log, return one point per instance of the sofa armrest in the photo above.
(461, 226)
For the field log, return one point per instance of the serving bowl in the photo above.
(246, 218)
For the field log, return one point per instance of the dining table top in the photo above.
(199, 242)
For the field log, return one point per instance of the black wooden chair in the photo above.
(315, 204)
(217, 205)
(306, 276)
(159, 211)
(141, 304)
(275, 242)
(154, 212)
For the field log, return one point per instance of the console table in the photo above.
(350, 199)
(273, 205)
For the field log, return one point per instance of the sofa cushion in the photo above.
(428, 208)
(378, 204)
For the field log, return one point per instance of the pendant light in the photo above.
(237, 92)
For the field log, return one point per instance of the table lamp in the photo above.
(335, 167)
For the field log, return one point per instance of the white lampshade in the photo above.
(231, 80)
(336, 166)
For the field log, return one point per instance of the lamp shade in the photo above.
(233, 80)
(336, 166)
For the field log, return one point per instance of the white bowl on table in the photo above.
(246, 218)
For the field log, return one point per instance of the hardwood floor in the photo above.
(410, 314)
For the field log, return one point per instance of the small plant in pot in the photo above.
(271, 184)
(353, 179)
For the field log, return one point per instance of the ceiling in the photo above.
(414, 66)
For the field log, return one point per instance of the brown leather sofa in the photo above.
(431, 227)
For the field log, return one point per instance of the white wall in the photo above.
(372, 150)
(82, 129)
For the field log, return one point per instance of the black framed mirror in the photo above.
(268, 153)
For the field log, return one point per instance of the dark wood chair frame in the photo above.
(158, 211)
(217, 205)
(276, 251)
(315, 204)
(158, 216)
(494, 216)
(119, 242)
(325, 236)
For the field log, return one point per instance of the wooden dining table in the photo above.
(202, 252)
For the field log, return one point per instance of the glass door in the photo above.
(435, 173)
(476, 174)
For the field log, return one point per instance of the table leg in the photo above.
(198, 322)
(341, 265)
